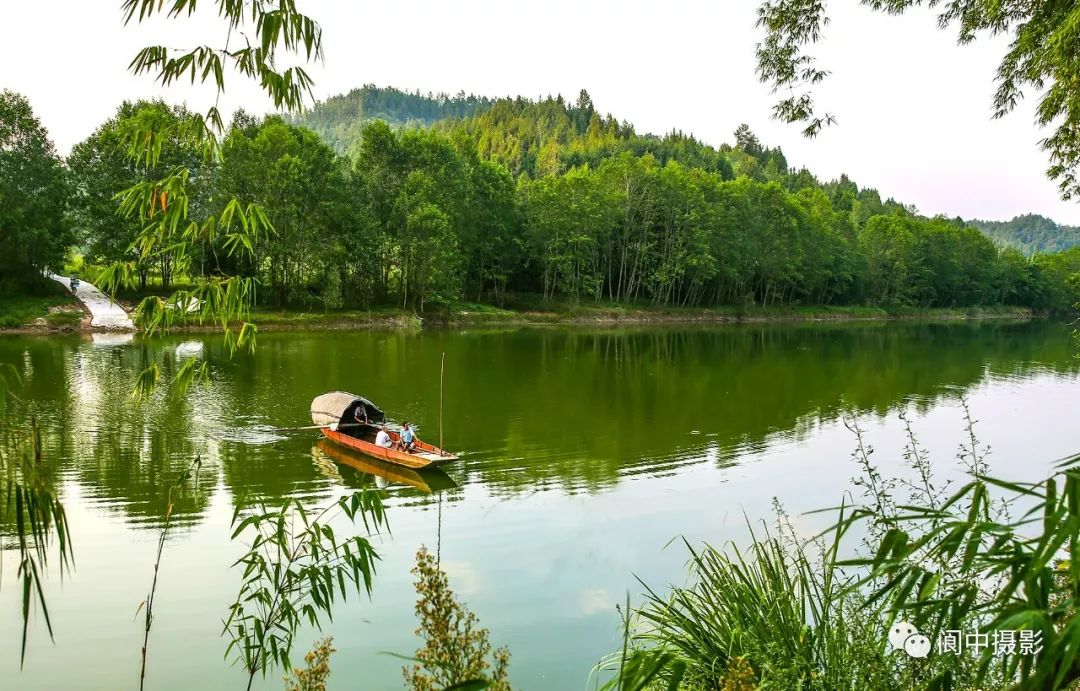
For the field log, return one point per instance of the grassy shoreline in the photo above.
(557, 314)
(483, 315)
(50, 308)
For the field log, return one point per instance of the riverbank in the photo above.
(486, 315)
(53, 309)
(61, 313)
(483, 315)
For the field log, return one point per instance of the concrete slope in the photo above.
(106, 313)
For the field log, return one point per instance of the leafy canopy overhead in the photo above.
(1043, 56)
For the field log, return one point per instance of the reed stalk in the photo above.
(148, 605)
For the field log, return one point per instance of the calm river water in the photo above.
(584, 452)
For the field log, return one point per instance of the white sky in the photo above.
(914, 108)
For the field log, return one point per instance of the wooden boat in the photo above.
(335, 414)
(427, 480)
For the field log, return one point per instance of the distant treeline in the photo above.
(1031, 233)
(549, 198)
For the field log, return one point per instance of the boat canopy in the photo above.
(339, 407)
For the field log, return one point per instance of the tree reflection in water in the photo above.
(528, 409)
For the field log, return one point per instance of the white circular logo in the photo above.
(904, 636)
(899, 633)
(917, 645)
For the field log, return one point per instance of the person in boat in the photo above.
(361, 415)
(408, 439)
(383, 438)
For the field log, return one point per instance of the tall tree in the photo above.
(34, 231)
(101, 166)
(492, 235)
(298, 181)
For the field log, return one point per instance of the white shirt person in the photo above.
(383, 439)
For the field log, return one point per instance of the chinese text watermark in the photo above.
(904, 636)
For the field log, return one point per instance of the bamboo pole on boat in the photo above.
(442, 372)
(438, 534)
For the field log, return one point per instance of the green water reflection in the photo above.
(527, 408)
(559, 432)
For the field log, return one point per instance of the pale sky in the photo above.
(913, 107)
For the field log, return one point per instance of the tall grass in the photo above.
(775, 606)
(20, 310)
(804, 615)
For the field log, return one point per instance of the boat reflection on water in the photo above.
(429, 480)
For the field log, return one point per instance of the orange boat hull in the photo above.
(428, 480)
(426, 455)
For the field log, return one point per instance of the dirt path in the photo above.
(107, 315)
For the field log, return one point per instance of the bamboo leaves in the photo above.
(163, 204)
(278, 26)
(28, 496)
(294, 571)
(1041, 56)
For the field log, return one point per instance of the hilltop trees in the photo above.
(1031, 233)
(569, 217)
(447, 221)
(549, 137)
(492, 235)
(631, 229)
(412, 216)
(340, 120)
(34, 230)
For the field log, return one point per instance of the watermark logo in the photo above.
(1004, 642)
(904, 636)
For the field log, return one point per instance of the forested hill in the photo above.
(340, 119)
(535, 137)
(1031, 233)
(553, 135)
(519, 200)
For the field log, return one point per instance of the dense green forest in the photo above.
(1031, 233)
(499, 199)
(34, 190)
